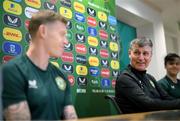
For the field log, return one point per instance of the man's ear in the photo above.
(42, 31)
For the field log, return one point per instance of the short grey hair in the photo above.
(141, 42)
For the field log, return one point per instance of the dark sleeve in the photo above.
(13, 85)
(130, 89)
(163, 83)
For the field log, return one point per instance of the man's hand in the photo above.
(19, 111)
(69, 112)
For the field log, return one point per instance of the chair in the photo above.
(112, 99)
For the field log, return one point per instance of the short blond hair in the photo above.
(43, 17)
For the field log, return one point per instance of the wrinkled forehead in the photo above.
(136, 47)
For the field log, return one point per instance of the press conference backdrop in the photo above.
(91, 59)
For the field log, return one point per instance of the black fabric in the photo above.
(137, 91)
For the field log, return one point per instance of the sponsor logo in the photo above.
(79, 17)
(27, 37)
(71, 80)
(114, 46)
(17, 0)
(91, 21)
(104, 53)
(93, 51)
(30, 11)
(67, 57)
(27, 24)
(81, 59)
(55, 64)
(104, 63)
(114, 64)
(11, 20)
(82, 81)
(79, 7)
(80, 38)
(113, 83)
(12, 48)
(67, 68)
(104, 44)
(12, 34)
(69, 35)
(7, 58)
(114, 55)
(91, 12)
(12, 7)
(94, 71)
(50, 6)
(80, 48)
(81, 70)
(94, 83)
(112, 28)
(68, 46)
(93, 61)
(92, 31)
(102, 16)
(105, 83)
(103, 35)
(112, 20)
(92, 41)
(61, 83)
(33, 3)
(32, 84)
(113, 37)
(105, 73)
(80, 27)
(69, 25)
(67, 13)
(115, 73)
(66, 3)
(102, 25)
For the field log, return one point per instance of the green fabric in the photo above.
(25, 81)
(171, 88)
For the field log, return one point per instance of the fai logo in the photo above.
(114, 46)
(79, 7)
(80, 38)
(12, 34)
(81, 59)
(82, 81)
(32, 84)
(104, 63)
(67, 13)
(79, 17)
(114, 64)
(80, 27)
(104, 44)
(12, 7)
(67, 57)
(92, 31)
(92, 41)
(102, 25)
(71, 80)
(69, 25)
(68, 46)
(33, 3)
(81, 70)
(61, 83)
(67, 68)
(91, 12)
(66, 3)
(94, 71)
(50, 6)
(105, 83)
(80, 48)
(11, 20)
(93, 51)
(114, 55)
(104, 53)
(93, 61)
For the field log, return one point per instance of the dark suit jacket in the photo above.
(139, 92)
